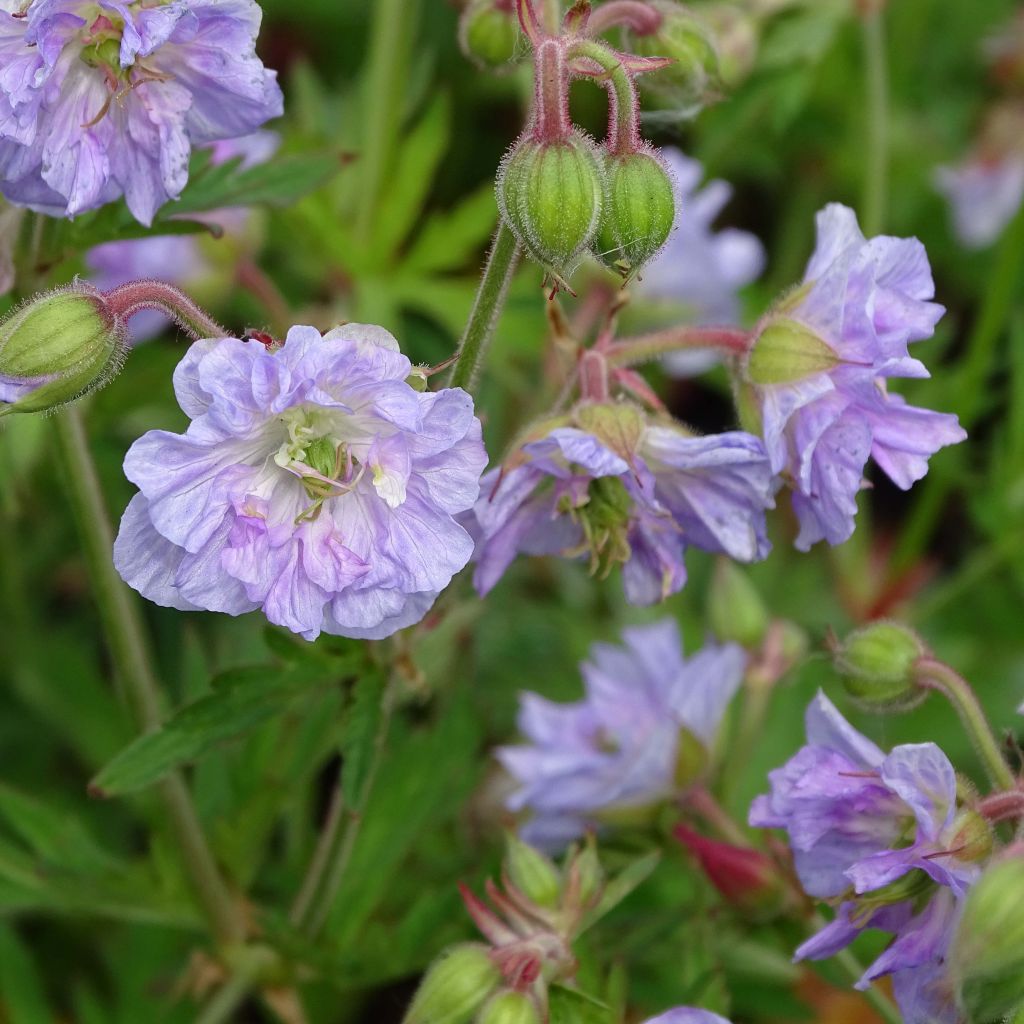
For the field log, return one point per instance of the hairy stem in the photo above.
(645, 347)
(487, 307)
(623, 106)
(932, 674)
(877, 88)
(126, 640)
(637, 15)
(128, 299)
(551, 121)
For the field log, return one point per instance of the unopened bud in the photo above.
(489, 33)
(745, 877)
(735, 33)
(56, 347)
(876, 664)
(971, 838)
(787, 351)
(533, 874)
(735, 608)
(987, 953)
(509, 1008)
(585, 875)
(455, 987)
(551, 195)
(639, 212)
(694, 76)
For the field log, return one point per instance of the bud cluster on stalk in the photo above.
(530, 922)
(559, 192)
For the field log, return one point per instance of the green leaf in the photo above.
(242, 699)
(360, 737)
(22, 999)
(633, 875)
(570, 1006)
(450, 240)
(54, 835)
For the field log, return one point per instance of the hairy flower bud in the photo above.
(489, 33)
(533, 874)
(987, 954)
(694, 77)
(735, 607)
(551, 195)
(455, 987)
(56, 347)
(876, 662)
(509, 1008)
(639, 211)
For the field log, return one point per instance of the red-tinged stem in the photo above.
(623, 104)
(128, 299)
(641, 17)
(1002, 806)
(593, 377)
(645, 347)
(529, 20)
(551, 121)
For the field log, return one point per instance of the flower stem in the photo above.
(623, 106)
(128, 299)
(854, 970)
(641, 17)
(645, 347)
(487, 307)
(932, 674)
(125, 636)
(877, 88)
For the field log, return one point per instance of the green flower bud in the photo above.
(876, 663)
(735, 607)
(972, 837)
(509, 1008)
(551, 195)
(694, 77)
(455, 987)
(639, 212)
(736, 37)
(489, 33)
(786, 351)
(585, 874)
(532, 873)
(56, 347)
(987, 953)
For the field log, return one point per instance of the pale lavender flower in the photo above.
(178, 259)
(618, 748)
(859, 821)
(625, 491)
(687, 1015)
(826, 354)
(699, 269)
(314, 482)
(985, 195)
(104, 98)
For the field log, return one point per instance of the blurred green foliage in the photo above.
(96, 924)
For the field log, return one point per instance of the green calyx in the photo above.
(509, 1008)
(876, 663)
(532, 873)
(57, 347)
(694, 77)
(787, 351)
(735, 608)
(987, 954)
(639, 212)
(455, 987)
(489, 34)
(551, 195)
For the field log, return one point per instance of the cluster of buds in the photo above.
(561, 194)
(530, 923)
